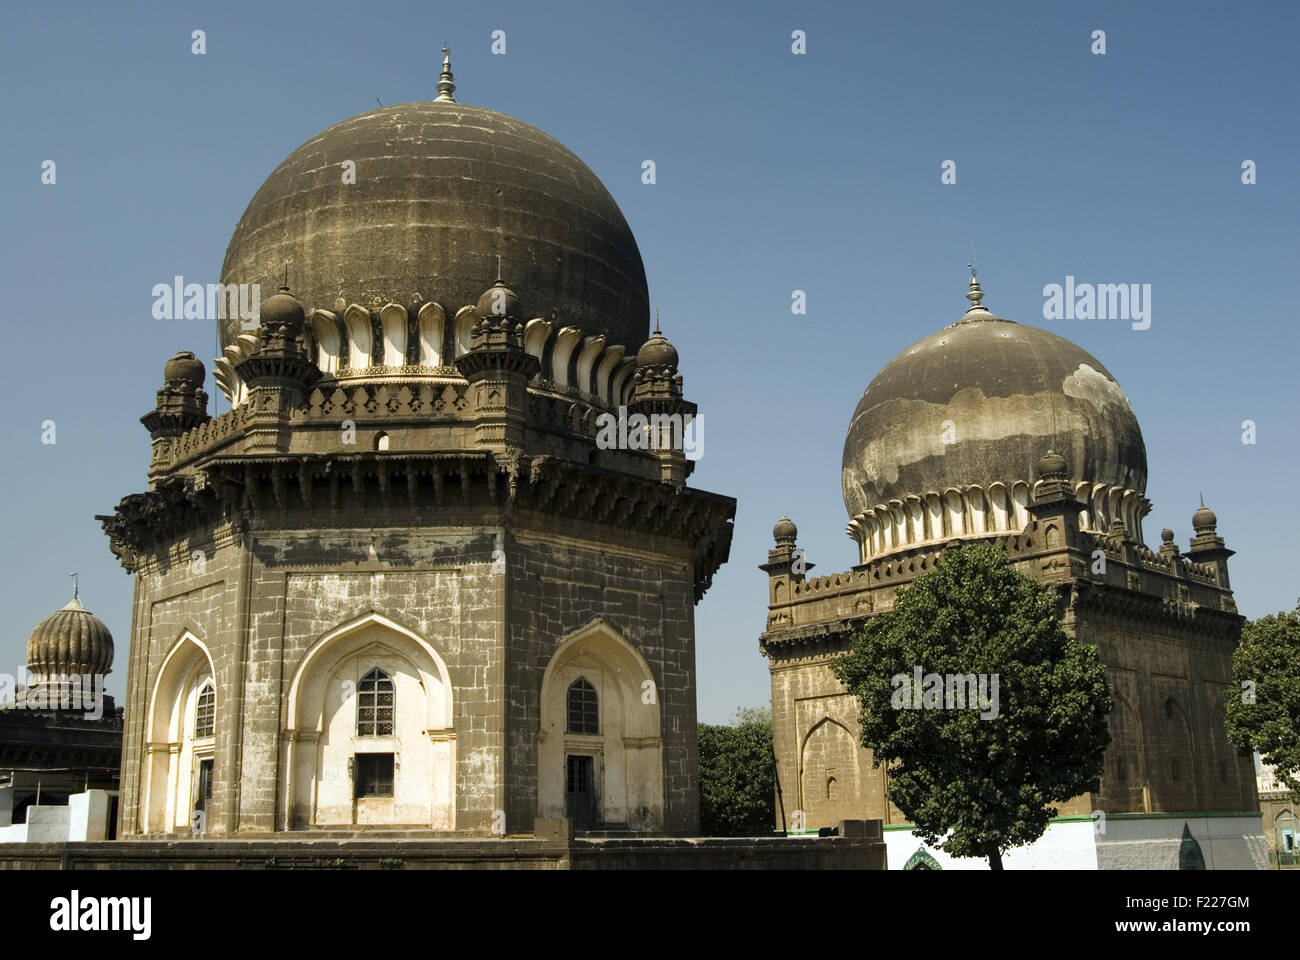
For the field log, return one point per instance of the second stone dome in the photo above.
(978, 404)
(442, 189)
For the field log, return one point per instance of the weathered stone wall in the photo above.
(290, 589)
(560, 583)
(1164, 627)
(816, 737)
(792, 853)
(494, 604)
(1178, 751)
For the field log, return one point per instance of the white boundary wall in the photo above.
(1129, 842)
(84, 818)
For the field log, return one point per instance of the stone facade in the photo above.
(940, 439)
(492, 558)
(1164, 624)
(1280, 814)
(375, 591)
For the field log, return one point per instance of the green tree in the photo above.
(1263, 711)
(977, 782)
(737, 783)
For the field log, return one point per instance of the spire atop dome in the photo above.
(975, 294)
(446, 85)
(76, 589)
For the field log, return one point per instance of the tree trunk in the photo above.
(995, 860)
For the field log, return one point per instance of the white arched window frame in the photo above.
(205, 710)
(376, 704)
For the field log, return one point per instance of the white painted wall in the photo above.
(1065, 846)
(1137, 842)
(84, 818)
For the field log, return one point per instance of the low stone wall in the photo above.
(775, 853)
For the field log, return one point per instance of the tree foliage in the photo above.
(1263, 711)
(737, 783)
(977, 787)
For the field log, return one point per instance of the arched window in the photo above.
(584, 710)
(376, 699)
(205, 711)
(1169, 709)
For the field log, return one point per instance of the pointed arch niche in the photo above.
(400, 771)
(829, 783)
(626, 751)
(171, 772)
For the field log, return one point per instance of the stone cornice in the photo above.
(811, 640)
(1129, 606)
(399, 489)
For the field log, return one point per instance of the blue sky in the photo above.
(775, 172)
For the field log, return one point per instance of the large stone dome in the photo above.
(442, 189)
(978, 404)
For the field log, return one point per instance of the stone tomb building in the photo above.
(61, 734)
(399, 583)
(989, 430)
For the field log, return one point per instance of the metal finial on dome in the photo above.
(657, 323)
(446, 85)
(75, 586)
(975, 295)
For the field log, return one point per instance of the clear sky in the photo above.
(776, 172)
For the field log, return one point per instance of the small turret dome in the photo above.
(1052, 464)
(1204, 519)
(498, 300)
(785, 531)
(185, 368)
(284, 310)
(657, 351)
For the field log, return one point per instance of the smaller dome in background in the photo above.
(785, 531)
(185, 368)
(498, 300)
(1204, 518)
(284, 310)
(70, 641)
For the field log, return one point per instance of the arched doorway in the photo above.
(600, 755)
(369, 738)
(180, 745)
